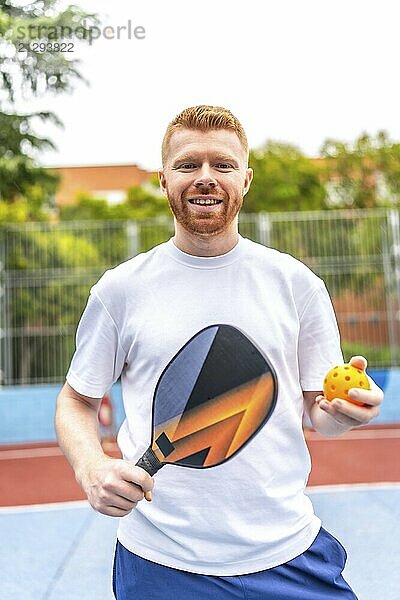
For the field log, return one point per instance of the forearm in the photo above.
(76, 426)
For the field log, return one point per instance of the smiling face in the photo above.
(205, 177)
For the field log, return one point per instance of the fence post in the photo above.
(5, 338)
(132, 232)
(2, 317)
(392, 277)
(264, 228)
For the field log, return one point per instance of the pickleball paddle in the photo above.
(215, 394)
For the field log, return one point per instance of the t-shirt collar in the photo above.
(205, 262)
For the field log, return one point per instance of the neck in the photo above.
(206, 245)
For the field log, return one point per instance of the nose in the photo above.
(205, 178)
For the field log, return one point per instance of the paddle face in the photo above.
(211, 399)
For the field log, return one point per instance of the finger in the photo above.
(138, 476)
(121, 503)
(360, 414)
(337, 415)
(120, 495)
(126, 482)
(111, 504)
(129, 491)
(112, 511)
(135, 493)
(372, 397)
(359, 362)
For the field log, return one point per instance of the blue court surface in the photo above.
(64, 551)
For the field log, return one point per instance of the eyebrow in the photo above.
(192, 158)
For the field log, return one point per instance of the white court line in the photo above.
(51, 506)
(354, 434)
(19, 453)
(353, 487)
(314, 489)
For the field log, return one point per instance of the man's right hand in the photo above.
(114, 486)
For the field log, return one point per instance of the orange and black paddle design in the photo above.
(211, 399)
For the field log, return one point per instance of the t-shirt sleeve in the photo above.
(319, 340)
(99, 357)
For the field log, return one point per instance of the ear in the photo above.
(163, 185)
(247, 181)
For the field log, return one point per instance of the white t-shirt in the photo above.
(249, 513)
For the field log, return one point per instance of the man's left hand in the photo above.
(352, 415)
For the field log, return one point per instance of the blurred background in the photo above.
(86, 93)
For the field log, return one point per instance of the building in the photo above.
(108, 182)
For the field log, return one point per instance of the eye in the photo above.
(187, 166)
(224, 166)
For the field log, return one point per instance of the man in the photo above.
(243, 529)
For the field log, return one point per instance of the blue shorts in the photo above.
(314, 575)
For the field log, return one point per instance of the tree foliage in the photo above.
(140, 203)
(364, 173)
(26, 72)
(284, 180)
(49, 303)
(19, 178)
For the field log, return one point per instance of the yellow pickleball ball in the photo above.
(339, 380)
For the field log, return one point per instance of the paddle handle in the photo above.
(150, 463)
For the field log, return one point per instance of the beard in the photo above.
(207, 223)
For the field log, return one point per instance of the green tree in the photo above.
(284, 180)
(363, 173)
(43, 311)
(142, 203)
(26, 71)
(19, 177)
(388, 164)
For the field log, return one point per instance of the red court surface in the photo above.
(38, 473)
(362, 455)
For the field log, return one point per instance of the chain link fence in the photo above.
(46, 271)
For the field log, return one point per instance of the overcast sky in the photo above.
(292, 70)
